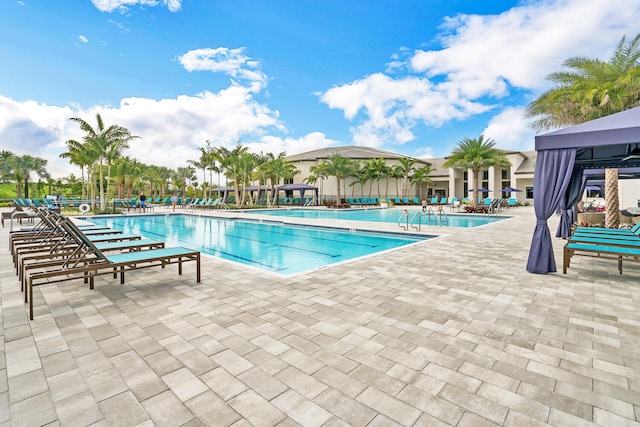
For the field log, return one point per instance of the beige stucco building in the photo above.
(447, 182)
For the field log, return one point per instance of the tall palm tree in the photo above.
(476, 154)
(339, 167)
(105, 143)
(124, 169)
(377, 170)
(318, 172)
(234, 167)
(277, 169)
(421, 176)
(24, 167)
(78, 155)
(405, 169)
(165, 174)
(261, 173)
(247, 166)
(6, 165)
(592, 89)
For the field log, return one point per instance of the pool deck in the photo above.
(452, 331)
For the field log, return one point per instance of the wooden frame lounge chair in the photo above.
(601, 251)
(95, 262)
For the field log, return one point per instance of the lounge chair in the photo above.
(52, 257)
(49, 235)
(95, 262)
(17, 213)
(434, 200)
(601, 251)
(602, 230)
(191, 204)
(455, 204)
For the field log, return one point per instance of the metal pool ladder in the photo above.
(438, 219)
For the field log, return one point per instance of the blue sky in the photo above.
(413, 77)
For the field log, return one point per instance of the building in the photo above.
(447, 182)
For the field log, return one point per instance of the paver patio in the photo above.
(451, 331)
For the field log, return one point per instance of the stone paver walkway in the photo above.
(449, 332)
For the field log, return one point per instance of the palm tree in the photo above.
(318, 172)
(339, 167)
(476, 154)
(421, 176)
(6, 165)
(105, 143)
(404, 170)
(164, 173)
(234, 167)
(184, 177)
(79, 156)
(592, 89)
(277, 169)
(262, 171)
(377, 169)
(24, 167)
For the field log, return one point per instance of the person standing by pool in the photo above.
(174, 201)
(424, 205)
(143, 202)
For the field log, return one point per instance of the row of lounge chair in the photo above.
(206, 204)
(602, 242)
(57, 250)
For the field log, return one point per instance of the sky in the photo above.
(412, 77)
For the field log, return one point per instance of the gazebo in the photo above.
(567, 159)
(302, 188)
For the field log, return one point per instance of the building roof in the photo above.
(350, 152)
(437, 163)
(529, 163)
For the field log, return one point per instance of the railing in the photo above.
(438, 218)
(405, 215)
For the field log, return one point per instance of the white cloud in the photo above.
(123, 5)
(393, 107)
(483, 59)
(232, 62)
(171, 130)
(119, 25)
(83, 39)
(277, 145)
(510, 130)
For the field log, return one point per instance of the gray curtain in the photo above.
(551, 178)
(572, 197)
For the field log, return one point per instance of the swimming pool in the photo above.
(281, 248)
(377, 215)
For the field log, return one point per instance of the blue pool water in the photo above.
(284, 249)
(378, 215)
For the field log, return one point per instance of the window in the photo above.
(529, 191)
(506, 174)
(505, 184)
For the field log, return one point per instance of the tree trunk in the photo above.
(612, 210)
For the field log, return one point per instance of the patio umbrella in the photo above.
(480, 190)
(510, 190)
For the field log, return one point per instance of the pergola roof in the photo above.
(600, 143)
